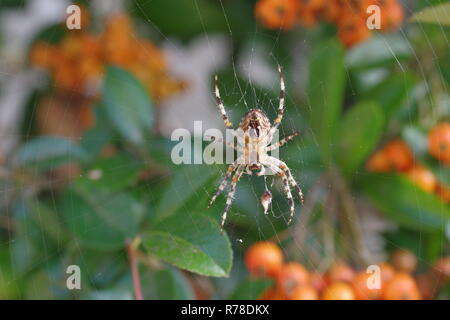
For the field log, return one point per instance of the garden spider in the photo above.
(254, 137)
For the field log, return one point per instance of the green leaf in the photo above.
(166, 284)
(52, 34)
(49, 222)
(99, 268)
(192, 242)
(112, 173)
(439, 14)
(444, 66)
(381, 50)
(359, 132)
(100, 219)
(9, 280)
(32, 246)
(96, 138)
(127, 105)
(10, 4)
(393, 92)
(190, 187)
(49, 283)
(47, 152)
(405, 203)
(197, 16)
(326, 90)
(109, 294)
(251, 289)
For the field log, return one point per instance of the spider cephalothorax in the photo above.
(254, 138)
(256, 120)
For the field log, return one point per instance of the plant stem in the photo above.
(300, 229)
(131, 249)
(351, 217)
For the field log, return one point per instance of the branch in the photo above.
(131, 249)
(351, 217)
(313, 196)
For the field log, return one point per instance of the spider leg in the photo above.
(262, 172)
(291, 179)
(277, 121)
(282, 141)
(294, 184)
(223, 184)
(286, 187)
(230, 196)
(219, 103)
(280, 112)
(231, 145)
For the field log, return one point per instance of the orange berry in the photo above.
(304, 293)
(362, 287)
(67, 78)
(387, 272)
(317, 281)
(401, 287)
(264, 259)
(355, 7)
(340, 272)
(118, 41)
(91, 46)
(442, 268)
(399, 155)
(72, 46)
(427, 285)
(329, 11)
(273, 293)
(439, 142)
(43, 55)
(339, 291)
(404, 260)
(423, 178)
(311, 4)
(443, 192)
(291, 276)
(349, 5)
(391, 16)
(274, 14)
(86, 114)
(307, 18)
(378, 162)
(90, 68)
(352, 29)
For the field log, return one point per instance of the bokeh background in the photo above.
(86, 177)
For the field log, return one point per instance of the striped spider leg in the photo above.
(280, 164)
(287, 189)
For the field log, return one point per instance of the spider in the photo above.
(254, 137)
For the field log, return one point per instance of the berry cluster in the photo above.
(349, 16)
(396, 156)
(77, 63)
(341, 282)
